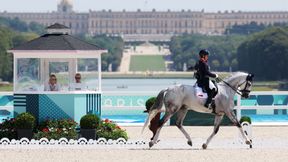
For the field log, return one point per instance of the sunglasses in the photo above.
(77, 78)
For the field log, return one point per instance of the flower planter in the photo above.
(25, 133)
(88, 133)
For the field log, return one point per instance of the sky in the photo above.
(147, 5)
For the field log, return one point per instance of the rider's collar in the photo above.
(202, 59)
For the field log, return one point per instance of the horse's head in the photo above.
(246, 86)
(242, 82)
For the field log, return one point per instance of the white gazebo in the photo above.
(63, 55)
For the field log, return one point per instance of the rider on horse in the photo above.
(202, 75)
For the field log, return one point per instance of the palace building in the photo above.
(160, 24)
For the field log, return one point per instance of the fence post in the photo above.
(238, 107)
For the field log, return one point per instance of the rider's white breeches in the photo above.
(211, 85)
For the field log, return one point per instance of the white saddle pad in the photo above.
(199, 92)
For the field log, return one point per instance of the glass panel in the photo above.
(27, 78)
(33, 74)
(88, 68)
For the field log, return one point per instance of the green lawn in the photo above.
(147, 62)
(6, 88)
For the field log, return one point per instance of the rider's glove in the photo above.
(217, 79)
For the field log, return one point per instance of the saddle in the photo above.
(201, 92)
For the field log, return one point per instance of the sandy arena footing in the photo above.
(269, 144)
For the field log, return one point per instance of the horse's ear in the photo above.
(250, 77)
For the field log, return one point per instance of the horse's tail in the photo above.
(156, 107)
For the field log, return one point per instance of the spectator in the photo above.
(52, 84)
(78, 85)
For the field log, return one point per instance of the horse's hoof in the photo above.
(189, 143)
(151, 144)
(204, 146)
(250, 146)
(248, 142)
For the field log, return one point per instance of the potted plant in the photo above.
(110, 130)
(88, 126)
(149, 103)
(24, 124)
(7, 129)
(56, 129)
(245, 119)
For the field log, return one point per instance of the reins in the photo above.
(236, 90)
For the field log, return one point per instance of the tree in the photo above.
(5, 58)
(115, 46)
(185, 49)
(17, 25)
(36, 28)
(265, 54)
(9, 39)
(245, 29)
(20, 38)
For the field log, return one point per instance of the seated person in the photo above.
(78, 85)
(52, 84)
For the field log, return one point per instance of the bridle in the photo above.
(242, 92)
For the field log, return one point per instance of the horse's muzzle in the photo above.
(245, 95)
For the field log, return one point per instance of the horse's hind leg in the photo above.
(217, 121)
(234, 120)
(179, 123)
(163, 120)
(154, 124)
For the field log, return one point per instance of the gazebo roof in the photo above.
(57, 26)
(57, 41)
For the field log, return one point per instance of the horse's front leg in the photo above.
(234, 120)
(217, 122)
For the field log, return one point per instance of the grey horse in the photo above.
(181, 98)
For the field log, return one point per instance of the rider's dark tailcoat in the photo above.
(203, 73)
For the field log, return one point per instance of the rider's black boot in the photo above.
(209, 104)
(208, 101)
